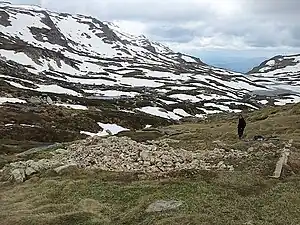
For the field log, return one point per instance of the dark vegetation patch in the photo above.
(32, 124)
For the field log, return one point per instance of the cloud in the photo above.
(138, 10)
(31, 2)
(286, 8)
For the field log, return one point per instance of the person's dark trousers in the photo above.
(240, 132)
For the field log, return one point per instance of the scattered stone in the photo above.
(64, 167)
(161, 205)
(268, 145)
(18, 175)
(29, 171)
(61, 151)
(7, 95)
(219, 143)
(145, 155)
(49, 100)
(258, 138)
(251, 149)
(222, 167)
(35, 100)
(230, 168)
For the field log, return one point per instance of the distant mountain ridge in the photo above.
(76, 58)
(281, 72)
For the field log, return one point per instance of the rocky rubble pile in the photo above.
(123, 154)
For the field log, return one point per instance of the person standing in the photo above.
(241, 126)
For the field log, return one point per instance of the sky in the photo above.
(232, 33)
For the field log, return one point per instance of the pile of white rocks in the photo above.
(124, 154)
(120, 154)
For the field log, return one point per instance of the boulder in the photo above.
(29, 171)
(35, 100)
(145, 155)
(258, 138)
(18, 175)
(61, 151)
(64, 167)
(49, 100)
(162, 205)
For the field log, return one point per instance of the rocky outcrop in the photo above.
(20, 171)
(37, 100)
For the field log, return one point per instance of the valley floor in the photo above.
(247, 195)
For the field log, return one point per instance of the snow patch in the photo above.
(135, 82)
(181, 112)
(9, 125)
(81, 107)
(270, 63)
(18, 57)
(263, 102)
(11, 100)
(222, 107)
(107, 130)
(112, 93)
(28, 125)
(53, 88)
(188, 59)
(208, 111)
(160, 112)
(167, 102)
(183, 88)
(185, 97)
(291, 99)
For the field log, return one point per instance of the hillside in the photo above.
(192, 173)
(79, 58)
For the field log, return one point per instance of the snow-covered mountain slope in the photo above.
(281, 74)
(79, 57)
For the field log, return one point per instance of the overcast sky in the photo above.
(209, 29)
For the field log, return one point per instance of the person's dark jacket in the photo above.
(242, 123)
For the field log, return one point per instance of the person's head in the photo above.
(240, 116)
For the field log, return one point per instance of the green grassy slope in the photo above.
(246, 196)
